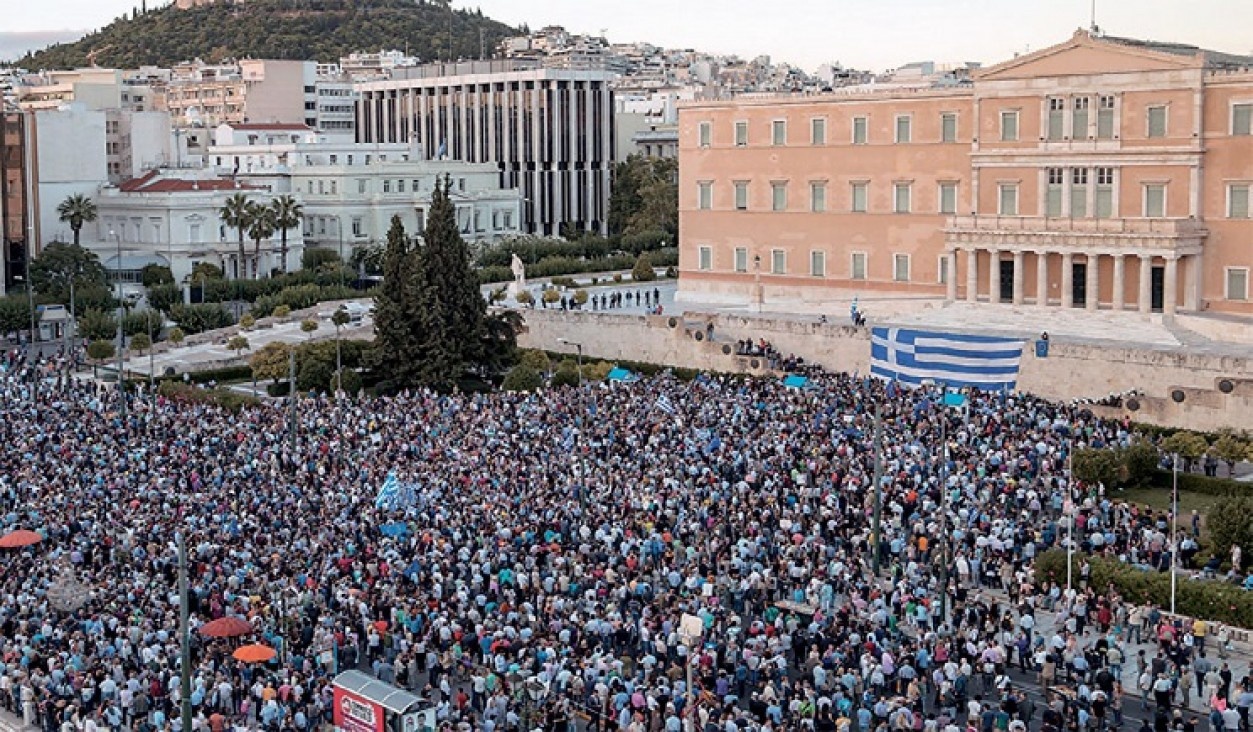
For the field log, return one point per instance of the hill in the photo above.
(322, 30)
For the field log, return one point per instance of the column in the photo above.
(1042, 279)
(1120, 281)
(1145, 301)
(1169, 302)
(972, 275)
(1193, 286)
(1018, 257)
(1068, 280)
(1092, 295)
(950, 274)
(994, 276)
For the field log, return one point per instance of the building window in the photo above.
(900, 267)
(1157, 121)
(817, 264)
(741, 134)
(1104, 193)
(1105, 118)
(1057, 118)
(1238, 201)
(857, 267)
(1242, 119)
(778, 132)
(948, 198)
(1053, 192)
(1078, 192)
(942, 270)
(1154, 200)
(1237, 283)
(948, 127)
(901, 198)
(741, 195)
(859, 197)
(1009, 126)
(778, 261)
(778, 196)
(706, 195)
(1008, 199)
(356, 226)
(387, 185)
(817, 197)
(741, 259)
(706, 134)
(1079, 119)
(360, 186)
(818, 131)
(904, 127)
(706, 258)
(860, 126)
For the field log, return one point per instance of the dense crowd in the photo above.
(562, 536)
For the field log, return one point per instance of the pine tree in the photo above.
(393, 355)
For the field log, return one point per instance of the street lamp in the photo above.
(31, 359)
(1174, 527)
(578, 346)
(121, 336)
(758, 296)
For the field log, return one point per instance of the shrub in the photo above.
(101, 350)
(525, 298)
(1094, 466)
(308, 325)
(563, 282)
(567, 374)
(617, 277)
(228, 400)
(522, 378)
(536, 359)
(97, 325)
(177, 335)
(281, 311)
(248, 321)
(643, 269)
(141, 342)
(141, 322)
(164, 297)
(1188, 445)
(200, 318)
(551, 296)
(1208, 599)
(350, 381)
(598, 371)
(314, 375)
(315, 257)
(238, 344)
(580, 297)
(1230, 523)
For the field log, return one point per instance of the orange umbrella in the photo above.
(19, 538)
(227, 627)
(255, 653)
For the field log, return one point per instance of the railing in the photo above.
(1046, 224)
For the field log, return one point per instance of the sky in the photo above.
(864, 34)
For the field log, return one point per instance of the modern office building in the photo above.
(549, 132)
(15, 214)
(1098, 173)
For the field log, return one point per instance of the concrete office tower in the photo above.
(548, 131)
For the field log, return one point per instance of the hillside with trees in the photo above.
(322, 30)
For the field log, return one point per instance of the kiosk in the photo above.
(365, 704)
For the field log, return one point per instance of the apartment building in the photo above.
(1098, 173)
(14, 196)
(549, 132)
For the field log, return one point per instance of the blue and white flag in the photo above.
(914, 356)
(663, 403)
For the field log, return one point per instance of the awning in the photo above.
(795, 381)
(132, 262)
(391, 698)
(621, 374)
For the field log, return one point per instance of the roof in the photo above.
(152, 182)
(1212, 58)
(269, 126)
(391, 698)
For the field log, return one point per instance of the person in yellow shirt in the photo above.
(1200, 629)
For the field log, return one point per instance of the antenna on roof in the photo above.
(1096, 29)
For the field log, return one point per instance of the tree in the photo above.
(1187, 445)
(645, 196)
(238, 344)
(141, 342)
(205, 271)
(77, 210)
(316, 259)
(14, 314)
(643, 269)
(1093, 466)
(101, 350)
(177, 335)
(288, 214)
(1231, 449)
(164, 297)
(309, 325)
(394, 355)
(261, 225)
(200, 318)
(247, 321)
(96, 325)
(567, 374)
(234, 213)
(61, 266)
(271, 361)
(1230, 523)
(522, 378)
(153, 275)
(339, 318)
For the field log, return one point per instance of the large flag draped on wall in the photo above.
(913, 356)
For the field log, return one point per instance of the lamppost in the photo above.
(759, 299)
(184, 633)
(31, 359)
(877, 521)
(121, 336)
(691, 629)
(578, 346)
(1174, 527)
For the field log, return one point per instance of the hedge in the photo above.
(1208, 599)
(1193, 483)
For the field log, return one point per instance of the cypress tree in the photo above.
(395, 350)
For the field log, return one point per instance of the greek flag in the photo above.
(394, 495)
(913, 356)
(663, 403)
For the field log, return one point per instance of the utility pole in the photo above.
(121, 336)
(877, 526)
(291, 397)
(944, 560)
(184, 633)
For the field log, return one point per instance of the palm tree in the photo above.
(234, 213)
(77, 210)
(260, 226)
(287, 215)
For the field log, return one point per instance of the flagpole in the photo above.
(878, 490)
(944, 560)
(1174, 527)
(1070, 519)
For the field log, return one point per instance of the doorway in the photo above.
(1007, 280)
(1079, 284)
(1157, 289)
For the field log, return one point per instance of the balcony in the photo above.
(1036, 233)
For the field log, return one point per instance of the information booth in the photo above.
(365, 704)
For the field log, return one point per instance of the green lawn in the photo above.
(1159, 500)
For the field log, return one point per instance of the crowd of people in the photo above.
(574, 537)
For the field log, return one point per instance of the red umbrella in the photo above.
(19, 538)
(255, 653)
(228, 627)
(380, 626)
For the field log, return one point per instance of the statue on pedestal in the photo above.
(519, 276)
